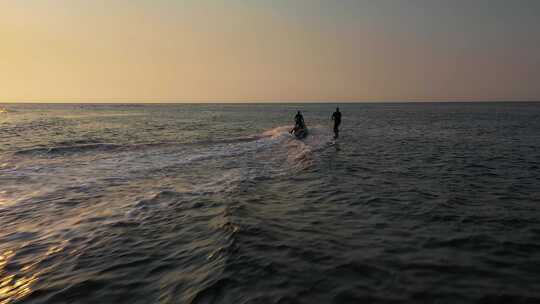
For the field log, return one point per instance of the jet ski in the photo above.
(300, 133)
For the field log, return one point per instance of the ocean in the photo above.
(414, 203)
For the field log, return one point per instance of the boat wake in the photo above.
(198, 167)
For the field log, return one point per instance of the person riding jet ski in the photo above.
(299, 130)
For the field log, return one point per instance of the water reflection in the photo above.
(16, 285)
(13, 287)
(3, 200)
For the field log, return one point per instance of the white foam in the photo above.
(276, 150)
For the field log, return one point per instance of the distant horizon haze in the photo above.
(232, 102)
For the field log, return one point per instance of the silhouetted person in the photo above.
(298, 122)
(336, 117)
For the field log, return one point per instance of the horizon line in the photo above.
(268, 101)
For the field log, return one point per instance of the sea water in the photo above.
(426, 202)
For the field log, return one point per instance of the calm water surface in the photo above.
(219, 204)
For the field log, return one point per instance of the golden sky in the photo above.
(255, 50)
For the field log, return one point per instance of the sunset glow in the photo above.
(241, 51)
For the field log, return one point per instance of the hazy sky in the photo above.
(260, 50)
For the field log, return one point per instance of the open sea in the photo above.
(415, 203)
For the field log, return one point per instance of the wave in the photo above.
(241, 162)
(316, 140)
(208, 238)
(60, 150)
(83, 146)
(244, 161)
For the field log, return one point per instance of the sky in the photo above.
(260, 50)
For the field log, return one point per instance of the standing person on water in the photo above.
(336, 117)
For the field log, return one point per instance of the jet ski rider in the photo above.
(299, 122)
